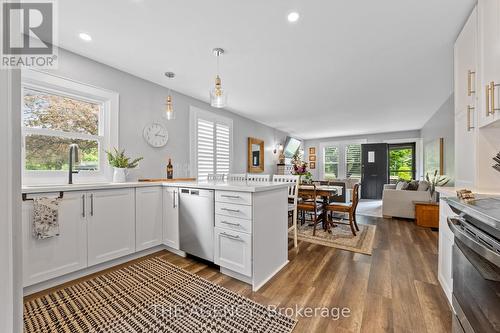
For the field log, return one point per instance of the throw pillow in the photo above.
(401, 185)
(413, 185)
(423, 186)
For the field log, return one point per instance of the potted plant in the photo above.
(121, 164)
(434, 181)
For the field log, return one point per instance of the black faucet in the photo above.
(73, 156)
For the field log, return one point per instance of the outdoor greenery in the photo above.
(56, 114)
(331, 163)
(400, 164)
(118, 159)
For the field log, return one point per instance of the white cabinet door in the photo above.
(465, 63)
(148, 217)
(111, 224)
(465, 151)
(44, 259)
(233, 250)
(446, 241)
(489, 50)
(171, 217)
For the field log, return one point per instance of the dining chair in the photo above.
(216, 177)
(293, 195)
(236, 177)
(308, 203)
(258, 178)
(346, 208)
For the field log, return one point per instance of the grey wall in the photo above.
(442, 125)
(142, 101)
(370, 138)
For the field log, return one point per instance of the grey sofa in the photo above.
(399, 203)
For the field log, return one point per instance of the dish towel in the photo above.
(45, 217)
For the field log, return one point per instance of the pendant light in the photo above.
(169, 111)
(218, 97)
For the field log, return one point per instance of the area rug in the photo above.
(150, 296)
(368, 207)
(341, 237)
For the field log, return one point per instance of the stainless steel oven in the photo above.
(476, 275)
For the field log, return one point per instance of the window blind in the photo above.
(353, 161)
(213, 148)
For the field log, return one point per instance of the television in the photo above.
(291, 147)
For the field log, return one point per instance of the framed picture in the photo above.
(312, 165)
(312, 158)
(312, 150)
(434, 156)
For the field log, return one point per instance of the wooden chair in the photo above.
(237, 177)
(258, 178)
(293, 194)
(219, 177)
(308, 203)
(345, 208)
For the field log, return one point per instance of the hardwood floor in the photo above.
(394, 290)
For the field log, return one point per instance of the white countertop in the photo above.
(223, 186)
(452, 191)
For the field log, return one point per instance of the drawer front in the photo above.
(232, 210)
(233, 223)
(233, 250)
(241, 198)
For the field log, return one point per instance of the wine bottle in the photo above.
(170, 169)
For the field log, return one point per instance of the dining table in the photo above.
(323, 191)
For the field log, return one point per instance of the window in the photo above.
(331, 162)
(212, 146)
(58, 112)
(401, 162)
(353, 161)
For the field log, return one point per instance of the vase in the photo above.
(120, 175)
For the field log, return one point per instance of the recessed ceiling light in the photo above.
(84, 36)
(293, 17)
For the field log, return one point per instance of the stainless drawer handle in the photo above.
(232, 236)
(230, 196)
(231, 223)
(231, 210)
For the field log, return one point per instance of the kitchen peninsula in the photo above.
(105, 224)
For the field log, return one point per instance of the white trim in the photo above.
(194, 114)
(342, 158)
(108, 123)
(419, 153)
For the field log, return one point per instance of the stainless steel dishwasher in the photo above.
(196, 222)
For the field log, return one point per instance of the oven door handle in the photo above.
(486, 261)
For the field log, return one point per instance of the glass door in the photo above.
(402, 164)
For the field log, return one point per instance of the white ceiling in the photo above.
(346, 67)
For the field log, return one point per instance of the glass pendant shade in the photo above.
(218, 97)
(169, 111)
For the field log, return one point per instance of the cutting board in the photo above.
(165, 180)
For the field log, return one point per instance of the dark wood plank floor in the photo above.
(394, 290)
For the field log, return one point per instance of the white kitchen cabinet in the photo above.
(446, 241)
(171, 217)
(44, 259)
(465, 151)
(489, 53)
(111, 224)
(233, 250)
(148, 217)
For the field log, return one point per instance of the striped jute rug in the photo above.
(149, 296)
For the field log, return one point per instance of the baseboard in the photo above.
(257, 287)
(236, 275)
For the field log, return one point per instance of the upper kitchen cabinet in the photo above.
(489, 64)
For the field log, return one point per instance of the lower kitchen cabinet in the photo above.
(446, 241)
(44, 259)
(111, 224)
(233, 250)
(148, 217)
(171, 217)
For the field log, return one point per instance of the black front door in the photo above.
(374, 170)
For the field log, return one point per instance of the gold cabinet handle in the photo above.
(492, 98)
(469, 111)
(469, 83)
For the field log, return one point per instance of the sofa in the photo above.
(397, 201)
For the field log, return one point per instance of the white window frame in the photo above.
(108, 125)
(195, 114)
(341, 146)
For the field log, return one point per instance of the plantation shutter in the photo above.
(353, 161)
(213, 148)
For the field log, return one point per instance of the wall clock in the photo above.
(155, 134)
